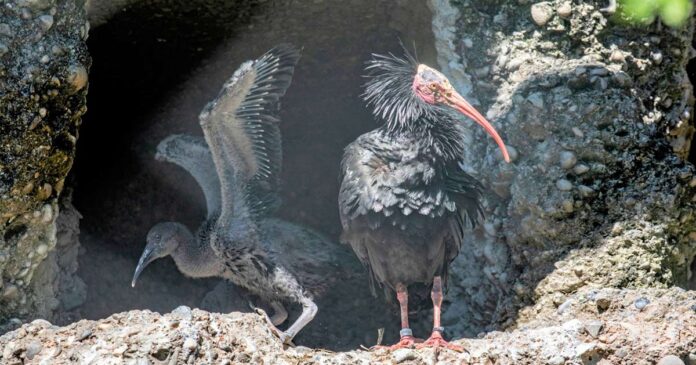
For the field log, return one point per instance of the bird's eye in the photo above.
(157, 237)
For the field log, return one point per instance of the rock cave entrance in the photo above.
(155, 65)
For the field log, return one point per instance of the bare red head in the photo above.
(434, 88)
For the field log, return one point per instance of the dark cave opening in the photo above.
(154, 68)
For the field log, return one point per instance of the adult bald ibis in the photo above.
(405, 202)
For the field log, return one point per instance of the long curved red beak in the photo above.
(458, 102)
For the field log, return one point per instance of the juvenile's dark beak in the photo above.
(458, 102)
(145, 259)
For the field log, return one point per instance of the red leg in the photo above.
(436, 339)
(407, 339)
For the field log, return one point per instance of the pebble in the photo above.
(41, 249)
(10, 292)
(593, 328)
(670, 360)
(536, 99)
(657, 57)
(568, 159)
(585, 191)
(3, 49)
(641, 302)
(563, 307)
(581, 169)
(33, 349)
(402, 355)
(577, 132)
(183, 311)
(584, 348)
(617, 56)
(77, 77)
(564, 185)
(46, 22)
(565, 9)
(541, 13)
(190, 344)
(512, 152)
(84, 334)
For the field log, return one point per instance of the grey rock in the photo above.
(641, 303)
(402, 355)
(46, 22)
(565, 9)
(564, 185)
(593, 328)
(536, 99)
(29, 181)
(33, 349)
(670, 360)
(542, 12)
(568, 159)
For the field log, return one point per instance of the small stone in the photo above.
(183, 312)
(402, 355)
(46, 22)
(593, 328)
(657, 57)
(190, 344)
(585, 191)
(468, 43)
(563, 307)
(41, 249)
(567, 206)
(6, 30)
(541, 13)
(10, 292)
(536, 99)
(3, 49)
(581, 169)
(568, 159)
(565, 10)
(584, 348)
(641, 302)
(670, 360)
(603, 302)
(84, 334)
(577, 132)
(622, 79)
(512, 152)
(33, 349)
(617, 56)
(564, 185)
(77, 77)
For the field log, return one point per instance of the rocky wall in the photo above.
(43, 84)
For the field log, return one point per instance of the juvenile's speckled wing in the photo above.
(191, 153)
(241, 128)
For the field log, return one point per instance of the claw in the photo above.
(436, 341)
(284, 337)
(406, 342)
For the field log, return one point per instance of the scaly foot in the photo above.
(436, 341)
(284, 337)
(406, 342)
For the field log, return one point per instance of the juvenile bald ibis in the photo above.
(237, 166)
(405, 203)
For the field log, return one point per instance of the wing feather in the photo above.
(191, 153)
(241, 128)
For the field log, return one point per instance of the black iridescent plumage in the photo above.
(405, 201)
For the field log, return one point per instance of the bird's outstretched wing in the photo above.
(191, 153)
(241, 128)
